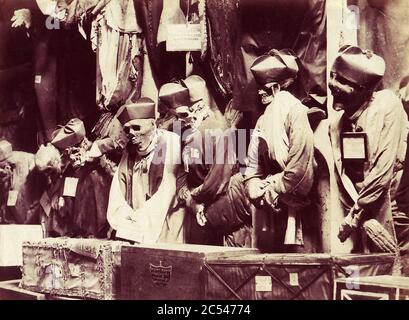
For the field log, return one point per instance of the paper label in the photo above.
(37, 79)
(12, 198)
(354, 146)
(70, 187)
(184, 37)
(264, 283)
(294, 279)
(45, 203)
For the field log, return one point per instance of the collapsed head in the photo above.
(354, 76)
(48, 159)
(273, 71)
(138, 121)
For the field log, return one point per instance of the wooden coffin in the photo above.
(170, 271)
(86, 268)
(289, 276)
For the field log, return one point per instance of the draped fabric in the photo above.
(222, 15)
(382, 29)
(65, 70)
(14, 44)
(17, 97)
(119, 44)
(255, 27)
(165, 65)
(118, 40)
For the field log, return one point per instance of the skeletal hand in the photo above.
(271, 198)
(349, 225)
(21, 17)
(200, 215)
(256, 188)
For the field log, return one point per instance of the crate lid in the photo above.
(278, 259)
(348, 259)
(188, 250)
(382, 281)
(311, 258)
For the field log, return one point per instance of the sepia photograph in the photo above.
(175, 151)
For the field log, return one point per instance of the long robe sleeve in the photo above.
(297, 176)
(220, 171)
(145, 223)
(378, 181)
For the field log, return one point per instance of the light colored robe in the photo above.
(285, 128)
(157, 219)
(385, 123)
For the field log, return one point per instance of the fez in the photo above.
(277, 66)
(69, 135)
(361, 67)
(197, 88)
(143, 108)
(5, 150)
(174, 95)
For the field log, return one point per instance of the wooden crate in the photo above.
(169, 271)
(10, 273)
(200, 272)
(86, 268)
(372, 288)
(289, 276)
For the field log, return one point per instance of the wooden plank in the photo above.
(276, 258)
(10, 290)
(364, 258)
(54, 297)
(386, 281)
(188, 250)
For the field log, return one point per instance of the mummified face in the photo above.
(191, 116)
(48, 159)
(266, 93)
(140, 132)
(347, 95)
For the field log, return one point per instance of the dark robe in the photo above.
(211, 167)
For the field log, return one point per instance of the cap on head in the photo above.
(5, 150)
(361, 67)
(69, 135)
(197, 88)
(276, 66)
(174, 95)
(143, 108)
